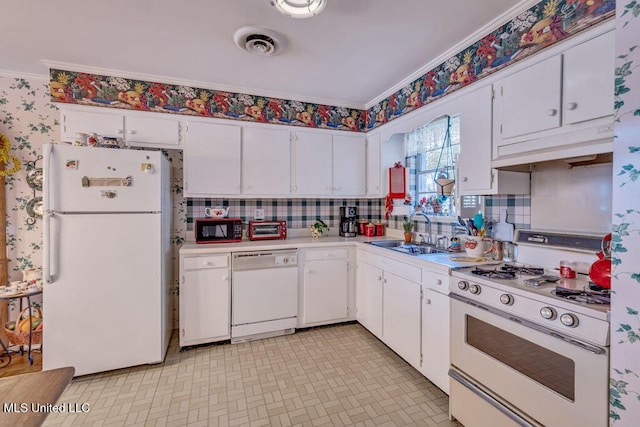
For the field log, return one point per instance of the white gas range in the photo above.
(521, 353)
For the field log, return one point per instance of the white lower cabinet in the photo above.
(435, 338)
(401, 316)
(324, 286)
(406, 307)
(369, 297)
(205, 299)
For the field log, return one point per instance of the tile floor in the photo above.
(334, 376)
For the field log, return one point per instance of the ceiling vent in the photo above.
(259, 41)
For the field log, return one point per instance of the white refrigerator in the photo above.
(107, 258)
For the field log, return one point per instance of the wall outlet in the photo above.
(259, 214)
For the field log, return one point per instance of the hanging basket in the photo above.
(445, 186)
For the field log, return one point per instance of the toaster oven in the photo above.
(267, 230)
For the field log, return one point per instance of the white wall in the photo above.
(577, 199)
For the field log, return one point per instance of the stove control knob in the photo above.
(548, 313)
(474, 289)
(506, 299)
(463, 285)
(568, 319)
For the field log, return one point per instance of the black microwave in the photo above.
(218, 230)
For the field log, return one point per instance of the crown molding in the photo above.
(457, 48)
(30, 76)
(193, 83)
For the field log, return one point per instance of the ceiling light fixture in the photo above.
(299, 8)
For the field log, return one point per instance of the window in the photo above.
(422, 148)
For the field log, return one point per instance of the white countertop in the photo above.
(441, 262)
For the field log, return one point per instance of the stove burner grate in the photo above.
(583, 296)
(494, 274)
(525, 270)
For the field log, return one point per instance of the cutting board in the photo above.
(502, 230)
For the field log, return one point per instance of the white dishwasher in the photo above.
(264, 294)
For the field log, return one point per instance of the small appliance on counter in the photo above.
(267, 230)
(218, 230)
(348, 221)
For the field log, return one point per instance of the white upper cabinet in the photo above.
(153, 130)
(374, 167)
(314, 164)
(349, 165)
(266, 162)
(531, 99)
(138, 129)
(330, 165)
(556, 108)
(589, 80)
(98, 121)
(212, 160)
(475, 175)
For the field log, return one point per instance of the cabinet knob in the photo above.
(308, 271)
(572, 106)
(337, 188)
(427, 301)
(552, 112)
(438, 282)
(465, 179)
(132, 132)
(379, 278)
(225, 277)
(208, 263)
(120, 131)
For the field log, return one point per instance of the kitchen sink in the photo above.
(408, 248)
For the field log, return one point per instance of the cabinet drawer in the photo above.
(212, 261)
(312, 255)
(408, 271)
(437, 281)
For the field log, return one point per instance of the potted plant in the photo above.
(319, 229)
(407, 224)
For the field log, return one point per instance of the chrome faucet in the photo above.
(426, 218)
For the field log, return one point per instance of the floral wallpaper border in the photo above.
(540, 26)
(74, 87)
(624, 378)
(534, 29)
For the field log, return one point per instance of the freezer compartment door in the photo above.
(83, 179)
(104, 307)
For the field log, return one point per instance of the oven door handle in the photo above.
(489, 399)
(570, 340)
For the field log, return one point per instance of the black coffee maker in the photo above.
(348, 221)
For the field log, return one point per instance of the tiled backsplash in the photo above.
(518, 209)
(299, 213)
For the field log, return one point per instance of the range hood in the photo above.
(564, 163)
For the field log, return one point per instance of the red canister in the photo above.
(379, 228)
(362, 224)
(369, 230)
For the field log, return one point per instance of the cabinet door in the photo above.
(401, 317)
(153, 131)
(211, 160)
(474, 161)
(313, 164)
(435, 338)
(266, 161)
(325, 287)
(531, 99)
(369, 298)
(374, 167)
(204, 306)
(349, 160)
(99, 122)
(588, 80)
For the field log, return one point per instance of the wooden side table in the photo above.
(28, 296)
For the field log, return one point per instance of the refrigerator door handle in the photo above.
(46, 250)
